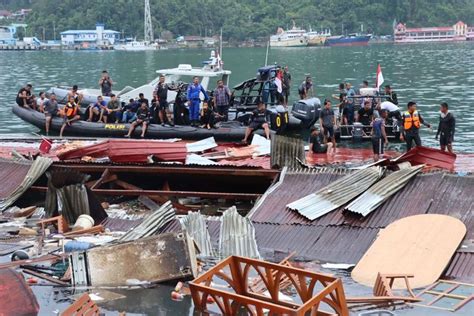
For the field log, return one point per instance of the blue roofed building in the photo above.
(98, 37)
(7, 35)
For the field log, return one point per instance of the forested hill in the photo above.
(243, 19)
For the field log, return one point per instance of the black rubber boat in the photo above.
(228, 131)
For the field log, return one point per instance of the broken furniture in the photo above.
(84, 306)
(59, 221)
(383, 292)
(316, 291)
(422, 245)
(258, 285)
(154, 259)
(459, 294)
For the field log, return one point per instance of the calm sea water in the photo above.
(426, 73)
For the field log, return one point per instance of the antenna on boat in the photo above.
(266, 55)
(220, 45)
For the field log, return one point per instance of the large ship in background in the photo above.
(295, 37)
(315, 38)
(355, 39)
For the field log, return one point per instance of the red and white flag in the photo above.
(278, 82)
(379, 78)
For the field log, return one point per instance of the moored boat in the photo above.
(137, 46)
(294, 37)
(349, 40)
(228, 131)
(317, 38)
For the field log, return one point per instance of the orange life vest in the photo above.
(411, 120)
(70, 109)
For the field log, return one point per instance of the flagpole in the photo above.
(266, 55)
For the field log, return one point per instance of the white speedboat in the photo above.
(136, 46)
(212, 70)
(294, 37)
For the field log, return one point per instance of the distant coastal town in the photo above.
(14, 31)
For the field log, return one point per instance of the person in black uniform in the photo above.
(315, 145)
(446, 127)
(23, 98)
(390, 95)
(207, 116)
(259, 119)
(143, 118)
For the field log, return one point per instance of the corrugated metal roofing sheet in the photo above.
(152, 224)
(196, 227)
(461, 267)
(336, 193)
(286, 150)
(12, 174)
(382, 190)
(342, 244)
(19, 183)
(237, 235)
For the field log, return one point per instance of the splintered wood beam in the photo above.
(106, 177)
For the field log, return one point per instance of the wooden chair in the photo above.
(61, 223)
(383, 293)
(84, 306)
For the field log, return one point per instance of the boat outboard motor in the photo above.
(278, 118)
(357, 132)
(307, 111)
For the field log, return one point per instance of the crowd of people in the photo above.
(372, 114)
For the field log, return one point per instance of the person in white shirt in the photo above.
(40, 101)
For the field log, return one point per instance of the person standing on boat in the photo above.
(51, 110)
(194, 100)
(161, 92)
(390, 95)
(221, 100)
(23, 97)
(379, 135)
(305, 89)
(106, 84)
(365, 115)
(327, 121)
(446, 127)
(350, 104)
(286, 85)
(71, 114)
(411, 123)
(341, 97)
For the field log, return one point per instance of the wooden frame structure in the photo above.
(383, 292)
(235, 271)
(446, 293)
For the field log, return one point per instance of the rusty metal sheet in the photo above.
(158, 258)
(12, 174)
(16, 296)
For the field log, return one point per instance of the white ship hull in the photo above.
(289, 42)
(136, 47)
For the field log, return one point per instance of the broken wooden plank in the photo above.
(46, 277)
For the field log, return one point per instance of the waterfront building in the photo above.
(458, 32)
(98, 37)
(7, 35)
